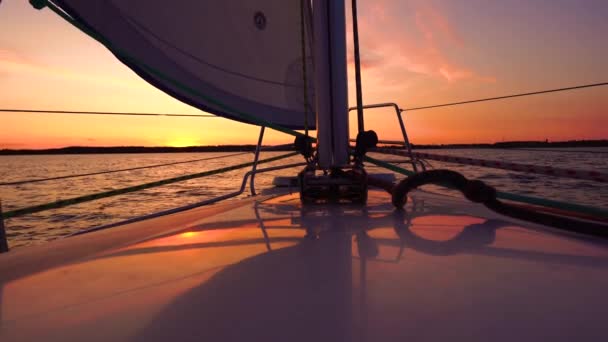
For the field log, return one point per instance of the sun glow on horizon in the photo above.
(183, 141)
(414, 53)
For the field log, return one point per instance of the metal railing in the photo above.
(398, 111)
(62, 203)
(194, 205)
(3, 239)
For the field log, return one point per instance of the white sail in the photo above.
(226, 57)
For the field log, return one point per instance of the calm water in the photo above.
(47, 225)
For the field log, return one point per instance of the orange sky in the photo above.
(414, 53)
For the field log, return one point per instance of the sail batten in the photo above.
(245, 54)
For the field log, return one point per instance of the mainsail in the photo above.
(227, 57)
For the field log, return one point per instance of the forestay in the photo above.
(245, 55)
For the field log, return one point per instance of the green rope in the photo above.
(583, 209)
(598, 212)
(102, 40)
(389, 166)
(37, 180)
(115, 192)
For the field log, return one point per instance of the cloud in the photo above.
(369, 59)
(13, 62)
(433, 24)
(418, 44)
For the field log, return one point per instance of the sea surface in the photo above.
(56, 223)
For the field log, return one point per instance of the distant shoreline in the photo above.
(521, 144)
(250, 148)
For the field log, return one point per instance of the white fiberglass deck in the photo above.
(273, 271)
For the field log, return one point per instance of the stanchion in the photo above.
(3, 241)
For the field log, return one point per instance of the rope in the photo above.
(220, 105)
(578, 208)
(497, 146)
(188, 206)
(478, 192)
(306, 101)
(152, 71)
(389, 166)
(526, 168)
(114, 171)
(103, 113)
(115, 192)
(507, 96)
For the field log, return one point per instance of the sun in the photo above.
(183, 142)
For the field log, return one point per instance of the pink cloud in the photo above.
(433, 23)
(416, 44)
(10, 60)
(13, 62)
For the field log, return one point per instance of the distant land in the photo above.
(522, 144)
(140, 149)
(247, 148)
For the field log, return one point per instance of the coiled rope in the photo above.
(543, 202)
(479, 192)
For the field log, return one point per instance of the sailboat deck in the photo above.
(268, 269)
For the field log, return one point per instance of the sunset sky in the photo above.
(415, 53)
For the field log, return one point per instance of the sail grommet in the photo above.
(259, 19)
(38, 4)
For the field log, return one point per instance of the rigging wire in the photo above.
(103, 113)
(214, 116)
(506, 96)
(27, 181)
(104, 194)
(129, 60)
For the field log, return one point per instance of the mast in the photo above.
(329, 23)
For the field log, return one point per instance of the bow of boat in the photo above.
(268, 268)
